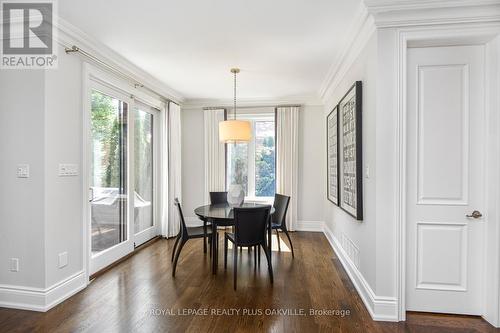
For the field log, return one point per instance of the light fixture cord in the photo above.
(234, 95)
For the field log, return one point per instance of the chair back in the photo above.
(182, 223)
(250, 225)
(218, 198)
(280, 208)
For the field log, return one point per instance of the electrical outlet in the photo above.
(63, 259)
(14, 265)
(67, 170)
(23, 171)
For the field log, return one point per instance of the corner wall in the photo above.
(41, 216)
(367, 248)
(22, 201)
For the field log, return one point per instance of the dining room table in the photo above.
(222, 215)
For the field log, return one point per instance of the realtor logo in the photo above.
(28, 35)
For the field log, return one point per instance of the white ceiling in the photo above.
(283, 47)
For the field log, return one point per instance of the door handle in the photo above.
(475, 214)
(91, 192)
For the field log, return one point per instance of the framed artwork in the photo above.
(350, 152)
(332, 151)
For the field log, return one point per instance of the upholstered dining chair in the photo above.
(186, 234)
(250, 225)
(280, 205)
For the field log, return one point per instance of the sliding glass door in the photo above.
(144, 173)
(122, 173)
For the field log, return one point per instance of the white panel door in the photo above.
(445, 179)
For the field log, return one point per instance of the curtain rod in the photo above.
(137, 84)
(214, 108)
(252, 106)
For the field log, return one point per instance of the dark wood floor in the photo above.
(139, 295)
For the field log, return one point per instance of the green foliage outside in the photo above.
(105, 129)
(265, 175)
(239, 165)
(143, 146)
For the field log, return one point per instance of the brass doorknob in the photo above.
(475, 214)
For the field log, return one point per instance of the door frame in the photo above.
(458, 34)
(91, 75)
(147, 234)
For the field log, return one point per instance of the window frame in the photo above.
(254, 117)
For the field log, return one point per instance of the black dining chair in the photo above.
(279, 218)
(250, 226)
(186, 234)
(218, 198)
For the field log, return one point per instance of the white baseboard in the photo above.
(39, 299)
(380, 308)
(314, 226)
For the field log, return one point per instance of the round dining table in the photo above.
(223, 215)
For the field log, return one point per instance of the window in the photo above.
(253, 164)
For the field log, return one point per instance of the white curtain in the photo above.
(171, 172)
(215, 153)
(287, 150)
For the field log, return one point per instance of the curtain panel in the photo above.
(171, 172)
(215, 152)
(287, 151)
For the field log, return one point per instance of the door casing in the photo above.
(462, 34)
(92, 77)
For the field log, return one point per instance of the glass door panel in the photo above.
(143, 170)
(108, 174)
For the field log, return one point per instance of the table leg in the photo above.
(214, 247)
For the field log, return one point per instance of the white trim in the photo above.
(39, 299)
(405, 36)
(358, 36)
(312, 226)
(381, 308)
(392, 5)
(70, 35)
(397, 13)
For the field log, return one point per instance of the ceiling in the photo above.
(283, 47)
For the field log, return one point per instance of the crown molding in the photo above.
(406, 13)
(70, 35)
(375, 6)
(357, 36)
(309, 100)
(377, 14)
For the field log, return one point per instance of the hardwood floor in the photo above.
(139, 295)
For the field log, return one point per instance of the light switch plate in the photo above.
(63, 259)
(67, 170)
(23, 171)
(14, 265)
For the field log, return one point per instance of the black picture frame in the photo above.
(332, 146)
(350, 128)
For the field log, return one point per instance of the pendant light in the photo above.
(233, 131)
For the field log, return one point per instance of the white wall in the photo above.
(22, 199)
(311, 164)
(193, 174)
(41, 216)
(63, 144)
(361, 233)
